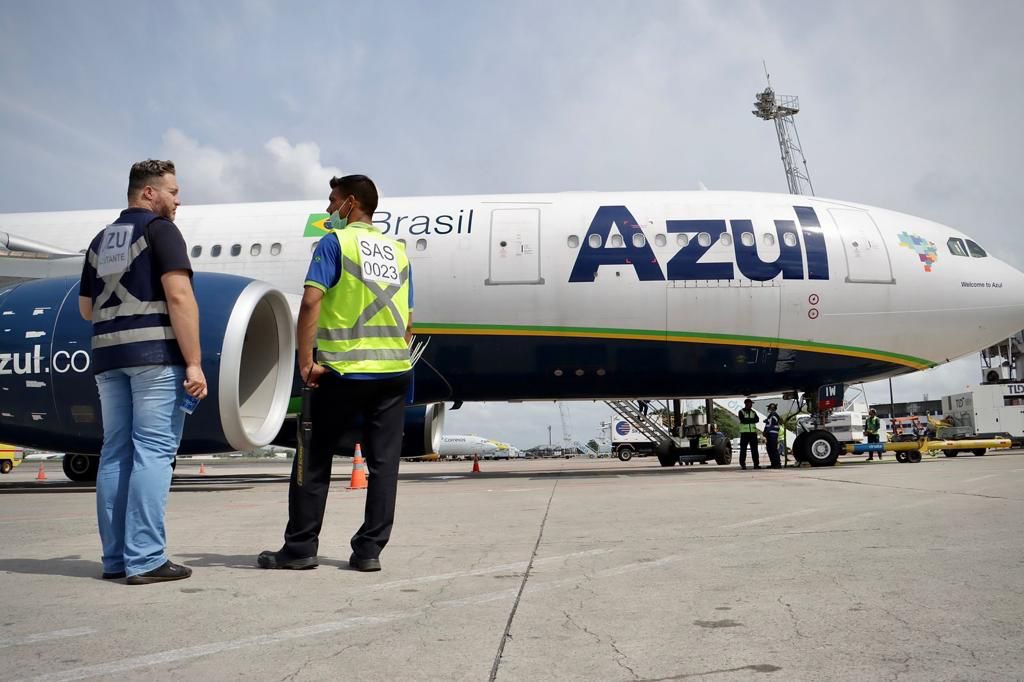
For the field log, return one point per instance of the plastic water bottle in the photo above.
(188, 404)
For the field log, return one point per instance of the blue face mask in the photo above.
(337, 222)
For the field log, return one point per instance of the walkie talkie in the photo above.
(305, 433)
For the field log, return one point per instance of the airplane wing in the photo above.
(22, 259)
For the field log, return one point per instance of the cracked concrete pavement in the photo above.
(862, 571)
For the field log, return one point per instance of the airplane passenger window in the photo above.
(682, 239)
(573, 241)
(421, 244)
(726, 239)
(594, 241)
(616, 240)
(639, 240)
(402, 242)
(215, 250)
(236, 249)
(275, 249)
(255, 249)
(975, 250)
(789, 239)
(660, 240)
(747, 238)
(768, 239)
(704, 239)
(956, 247)
(197, 251)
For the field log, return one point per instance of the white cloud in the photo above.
(278, 171)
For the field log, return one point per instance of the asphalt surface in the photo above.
(536, 570)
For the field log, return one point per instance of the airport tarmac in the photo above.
(541, 569)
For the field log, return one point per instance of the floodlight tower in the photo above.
(781, 109)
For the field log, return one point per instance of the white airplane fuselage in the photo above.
(600, 295)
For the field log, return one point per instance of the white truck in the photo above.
(989, 410)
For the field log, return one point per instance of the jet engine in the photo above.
(48, 397)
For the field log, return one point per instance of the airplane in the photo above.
(561, 296)
(462, 446)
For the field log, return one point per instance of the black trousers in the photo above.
(338, 406)
(751, 440)
(772, 444)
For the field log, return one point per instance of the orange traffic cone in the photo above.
(41, 476)
(476, 465)
(358, 471)
(202, 469)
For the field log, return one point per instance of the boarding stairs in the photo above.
(650, 426)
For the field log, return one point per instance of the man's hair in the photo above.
(144, 172)
(359, 186)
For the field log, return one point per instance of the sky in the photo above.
(912, 106)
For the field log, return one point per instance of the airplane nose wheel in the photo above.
(818, 447)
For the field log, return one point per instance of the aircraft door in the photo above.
(867, 258)
(515, 246)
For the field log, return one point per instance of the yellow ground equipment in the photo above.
(10, 457)
(911, 450)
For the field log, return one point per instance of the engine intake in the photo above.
(48, 397)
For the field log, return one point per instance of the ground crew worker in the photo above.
(772, 423)
(748, 434)
(136, 289)
(357, 304)
(871, 427)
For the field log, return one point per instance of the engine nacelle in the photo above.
(48, 397)
(424, 426)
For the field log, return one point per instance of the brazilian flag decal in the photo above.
(316, 225)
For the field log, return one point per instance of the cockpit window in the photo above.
(975, 250)
(956, 247)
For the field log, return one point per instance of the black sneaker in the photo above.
(169, 571)
(365, 565)
(114, 575)
(274, 560)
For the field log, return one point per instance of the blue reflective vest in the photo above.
(130, 322)
(771, 423)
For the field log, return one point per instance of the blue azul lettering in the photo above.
(790, 261)
(590, 258)
(814, 241)
(686, 265)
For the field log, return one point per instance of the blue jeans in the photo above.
(141, 431)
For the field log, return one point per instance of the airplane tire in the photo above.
(821, 448)
(901, 457)
(951, 453)
(798, 447)
(80, 468)
(914, 456)
(624, 453)
(6, 466)
(979, 452)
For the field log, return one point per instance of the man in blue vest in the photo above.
(748, 434)
(136, 289)
(772, 424)
(357, 306)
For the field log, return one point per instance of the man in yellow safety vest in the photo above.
(357, 304)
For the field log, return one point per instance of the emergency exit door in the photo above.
(867, 258)
(515, 246)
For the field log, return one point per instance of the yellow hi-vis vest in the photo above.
(748, 428)
(363, 317)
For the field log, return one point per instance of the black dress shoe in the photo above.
(269, 559)
(365, 565)
(115, 575)
(169, 571)
(757, 466)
